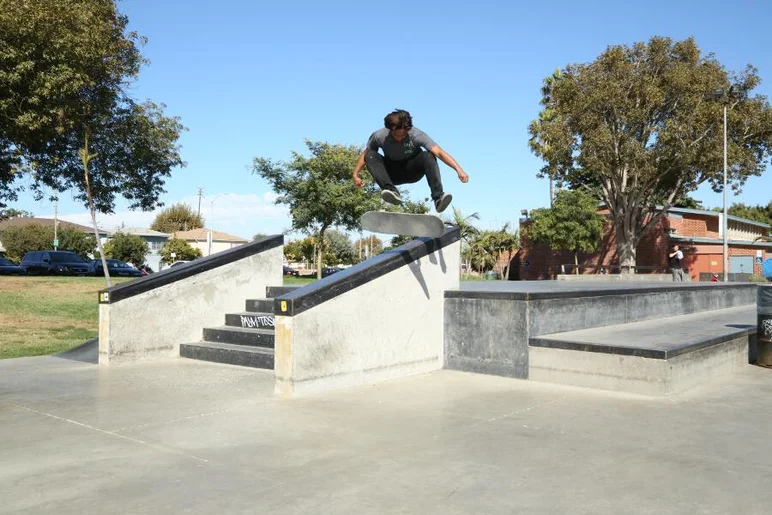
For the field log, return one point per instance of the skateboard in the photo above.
(407, 224)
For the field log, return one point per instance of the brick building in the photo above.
(698, 233)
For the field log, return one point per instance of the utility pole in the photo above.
(200, 194)
(56, 222)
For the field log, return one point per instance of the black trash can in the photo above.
(764, 329)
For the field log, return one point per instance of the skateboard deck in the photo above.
(407, 224)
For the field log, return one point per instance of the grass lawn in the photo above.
(46, 315)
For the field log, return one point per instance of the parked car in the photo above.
(329, 270)
(178, 263)
(288, 270)
(54, 262)
(115, 267)
(8, 267)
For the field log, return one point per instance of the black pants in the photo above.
(388, 173)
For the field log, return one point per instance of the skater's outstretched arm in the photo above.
(358, 168)
(446, 158)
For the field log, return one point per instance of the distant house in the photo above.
(49, 222)
(200, 239)
(155, 242)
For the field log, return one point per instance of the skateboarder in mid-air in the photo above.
(403, 161)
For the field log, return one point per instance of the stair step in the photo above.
(255, 357)
(260, 305)
(250, 320)
(278, 291)
(238, 336)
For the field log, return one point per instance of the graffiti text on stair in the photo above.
(256, 321)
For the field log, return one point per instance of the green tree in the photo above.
(27, 238)
(293, 250)
(338, 249)
(258, 236)
(688, 203)
(181, 249)
(641, 125)
(67, 121)
(319, 190)
(572, 223)
(758, 213)
(6, 214)
(490, 249)
(127, 247)
(176, 218)
(468, 233)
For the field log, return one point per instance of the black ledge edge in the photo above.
(554, 343)
(306, 297)
(544, 295)
(170, 275)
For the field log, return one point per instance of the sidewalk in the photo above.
(192, 437)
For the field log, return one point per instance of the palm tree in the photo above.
(468, 231)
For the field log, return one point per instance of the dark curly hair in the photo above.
(399, 119)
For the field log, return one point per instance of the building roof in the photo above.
(143, 231)
(705, 212)
(201, 234)
(22, 221)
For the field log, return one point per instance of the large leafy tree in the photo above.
(368, 247)
(179, 217)
(338, 249)
(572, 223)
(642, 126)
(127, 247)
(318, 190)
(67, 121)
(181, 249)
(6, 214)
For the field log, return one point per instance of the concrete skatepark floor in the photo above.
(184, 436)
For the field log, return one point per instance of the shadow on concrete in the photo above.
(88, 352)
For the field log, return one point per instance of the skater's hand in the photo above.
(462, 176)
(359, 182)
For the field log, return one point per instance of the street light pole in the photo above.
(211, 221)
(725, 221)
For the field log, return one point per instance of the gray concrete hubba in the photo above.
(329, 336)
(150, 317)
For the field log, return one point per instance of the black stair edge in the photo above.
(277, 291)
(232, 319)
(239, 336)
(253, 357)
(259, 305)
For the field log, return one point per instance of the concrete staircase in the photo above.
(246, 339)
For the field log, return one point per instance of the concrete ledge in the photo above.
(633, 278)
(635, 374)
(378, 320)
(150, 318)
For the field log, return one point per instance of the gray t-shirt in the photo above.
(400, 150)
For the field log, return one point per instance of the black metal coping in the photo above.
(641, 352)
(171, 275)
(305, 298)
(541, 290)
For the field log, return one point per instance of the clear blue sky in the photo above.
(257, 78)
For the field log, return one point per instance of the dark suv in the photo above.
(54, 262)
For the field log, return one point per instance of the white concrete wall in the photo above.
(635, 374)
(389, 327)
(154, 324)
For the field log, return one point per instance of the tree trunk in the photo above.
(576, 263)
(86, 159)
(319, 252)
(625, 250)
